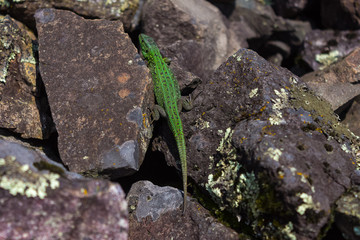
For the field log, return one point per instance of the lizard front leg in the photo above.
(157, 112)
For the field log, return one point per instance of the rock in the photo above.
(41, 200)
(347, 214)
(126, 10)
(337, 83)
(99, 91)
(289, 8)
(19, 91)
(190, 32)
(352, 116)
(155, 212)
(258, 24)
(267, 149)
(324, 47)
(346, 10)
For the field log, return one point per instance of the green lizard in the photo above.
(167, 94)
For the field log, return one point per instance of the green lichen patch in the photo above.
(20, 179)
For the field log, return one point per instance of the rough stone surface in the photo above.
(337, 83)
(324, 47)
(18, 87)
(267, 149)
(99, 91)
(192, 32)
(352, 117)
(155, 212)
(347, 214)
(126, 11)
(340, 14)
(41, 200)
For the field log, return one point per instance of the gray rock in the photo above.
(155, 212)
(99, 91)
(41, 200)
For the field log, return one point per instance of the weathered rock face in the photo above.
(155, 212)
(18, 90)
(267, 149)
(99, 91)
(41, 200)
(119, 10)
(337, 83)
(324, 47)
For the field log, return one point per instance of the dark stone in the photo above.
(289, 8)
(19, 91)
(99, 91)
(155, 212)
(267, 149)
(340, 14)
(41, 200)
(352, 116)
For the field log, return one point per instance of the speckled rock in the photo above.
(99, 91)
(18, 86)
(324, 47)
(337, 83)
(267, 149)
(41, 200)
(155, 212)
(347, 214)
(125, 10)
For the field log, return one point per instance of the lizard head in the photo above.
(146, 44)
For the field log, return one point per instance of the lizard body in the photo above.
(168, 97)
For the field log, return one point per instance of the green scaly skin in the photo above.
(167, 94)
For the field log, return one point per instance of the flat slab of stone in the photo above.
(99, 91)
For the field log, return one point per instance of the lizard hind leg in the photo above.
(185, 103)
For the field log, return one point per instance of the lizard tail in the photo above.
(182, 153)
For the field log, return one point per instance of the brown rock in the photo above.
(337, 83)
(191, 32)
(99, 92)
(18, 87)
(111, 10)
